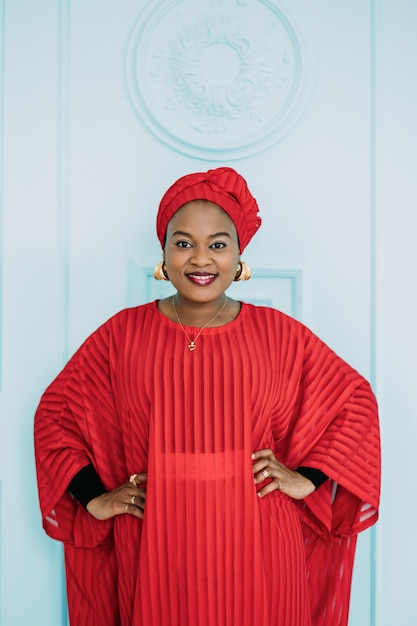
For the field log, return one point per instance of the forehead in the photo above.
(201, 214)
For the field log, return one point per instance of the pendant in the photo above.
(192, 346)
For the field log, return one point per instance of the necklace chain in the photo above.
(191, 346)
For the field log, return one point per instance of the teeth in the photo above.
(203, 279)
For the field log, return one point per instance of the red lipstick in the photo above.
(202, 278)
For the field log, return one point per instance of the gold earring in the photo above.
(160, 271)
(243, 271)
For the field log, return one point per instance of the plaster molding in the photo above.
(218, 79)
(2, 69)
(63, 114)
(62, 155)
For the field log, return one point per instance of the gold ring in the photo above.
(127, 506)
(265, 473)
(132, 500)
(279, 485)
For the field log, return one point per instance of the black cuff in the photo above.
(86, 485)
(316, 476)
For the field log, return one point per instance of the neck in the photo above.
(197, 314)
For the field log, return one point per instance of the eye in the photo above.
(183, 244)
(218, 245)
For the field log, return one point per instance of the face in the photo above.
(201, 251)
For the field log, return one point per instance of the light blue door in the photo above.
(102, 106)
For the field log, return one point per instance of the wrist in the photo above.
(86, 485)
(315, 476)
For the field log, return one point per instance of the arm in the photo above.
(76, 424)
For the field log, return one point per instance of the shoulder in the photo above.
(96, 350)
(287, 329)
(115, 328)
(268, 315)
(130, 315)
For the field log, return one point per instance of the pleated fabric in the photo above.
(209, 551)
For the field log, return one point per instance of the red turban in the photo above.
(222, 186)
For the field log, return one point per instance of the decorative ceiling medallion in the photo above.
(217, 79)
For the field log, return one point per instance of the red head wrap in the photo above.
(222, 186)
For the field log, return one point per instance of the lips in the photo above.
(202, 278)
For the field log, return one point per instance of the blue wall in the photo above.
(315, 104)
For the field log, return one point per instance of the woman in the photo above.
(252, 449)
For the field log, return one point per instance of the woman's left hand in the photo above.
(293, 484)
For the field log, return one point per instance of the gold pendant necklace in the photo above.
(191, 346)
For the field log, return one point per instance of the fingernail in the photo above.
(253, 456)
(259, 494)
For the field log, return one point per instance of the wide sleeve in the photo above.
(332, 420)
(76, 424)
(350, 450)
(334, 428)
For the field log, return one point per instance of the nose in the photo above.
(200, 256)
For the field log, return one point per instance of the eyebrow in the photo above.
(185, 234)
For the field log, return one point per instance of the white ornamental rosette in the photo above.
(218, 79)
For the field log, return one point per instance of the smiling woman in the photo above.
(201, 257)
(252, 449)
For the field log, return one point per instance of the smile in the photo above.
(202, 279)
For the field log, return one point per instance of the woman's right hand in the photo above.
(128, 498)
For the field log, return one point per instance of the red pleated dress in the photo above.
(209, 552)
